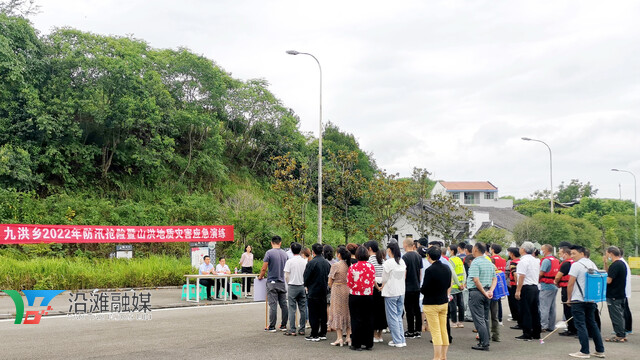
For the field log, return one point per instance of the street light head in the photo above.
(526, 139)
(293, 52)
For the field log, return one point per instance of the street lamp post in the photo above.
(635, 204)
(550, 166)
(293, 52)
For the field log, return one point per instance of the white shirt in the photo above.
(222, 269)
(204, 268)
(627, 288)
(579, 271)
(530, 268)
(393, 278)
(295, 268)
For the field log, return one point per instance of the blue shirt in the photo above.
(544, 267)
(204, 267)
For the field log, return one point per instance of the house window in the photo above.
(488, 196)
(455, 195)
(469, 198)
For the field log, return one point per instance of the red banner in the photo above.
(35, 234)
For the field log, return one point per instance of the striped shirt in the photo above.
(379, 270)
(482, 269)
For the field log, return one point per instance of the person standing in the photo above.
(616, 283)
(456, 305)
(274, 261)
(246, 267)
(361, 279)
(496, 304)
(413, 261)
(583, 312)
(527, 293)
(339, 319)
(481, 282)
(316, 276)
(376, 258)
(548, 290)
(514, 306)
(468, 258)
(393, 289)
(294, 275)
(628, 319)
(436, 288)
(562, 280)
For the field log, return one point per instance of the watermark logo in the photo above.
(128, 305)
(31, 316)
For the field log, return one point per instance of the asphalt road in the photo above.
(236, 332)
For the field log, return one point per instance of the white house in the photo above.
(470, 193)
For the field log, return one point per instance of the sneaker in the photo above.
(417, 335)
(392, 344)
(408, 335)
(598, 355)
(401, 345)
(312, 338)
(270, 329)
(378, 340)
(524, 337)
(580, 355)
(500, 323)
(515, 327)
(567, 333)
(283, 328)
(322, 337)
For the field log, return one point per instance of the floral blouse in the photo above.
(361, 278)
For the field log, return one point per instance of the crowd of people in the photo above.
(361, 291)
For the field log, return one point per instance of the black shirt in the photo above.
(414, 263)
(437, 279)
(618, 273)
(564, 268)
(316, 277)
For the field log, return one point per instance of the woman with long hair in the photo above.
(339, 311)
(376, 258)
(361, 279)
(393, 288)
(246, 264)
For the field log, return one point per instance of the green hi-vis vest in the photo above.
(458, 267)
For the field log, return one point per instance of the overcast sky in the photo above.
(444, 85)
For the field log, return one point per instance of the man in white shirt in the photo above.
(294, 276)
(223, 269)
(206, 268)
(583, 312)
(527, 292)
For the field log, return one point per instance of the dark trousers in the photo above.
(584, 316)
(530, 311)
(616, 313)
(360, 309)
(571, 327)
(514, 305)
(318, 316)
(219, 284)
(207, 283)
(379, 312)
(414, 313)
(449, 325)
(277, 295)
(628, 320)
(456, 308)
(247, 270)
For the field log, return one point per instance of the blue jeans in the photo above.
(585, 321)
(393, 306)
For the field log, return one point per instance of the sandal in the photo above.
(286, 333)
(616, 339)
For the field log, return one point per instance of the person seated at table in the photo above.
(206, 268)
(223, 269)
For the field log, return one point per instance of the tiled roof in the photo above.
(468, 185)
(502, 218)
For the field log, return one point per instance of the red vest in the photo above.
(512, 272)
(564, 280)
(549, 276)
(446, 258)
(499, 262)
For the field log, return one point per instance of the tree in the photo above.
(248, 214)
(421, 187)
(344, 185)
(574, 191)
(446, 218)
(388, 199)
(293, 184)
(22, 8)
(495, 235)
